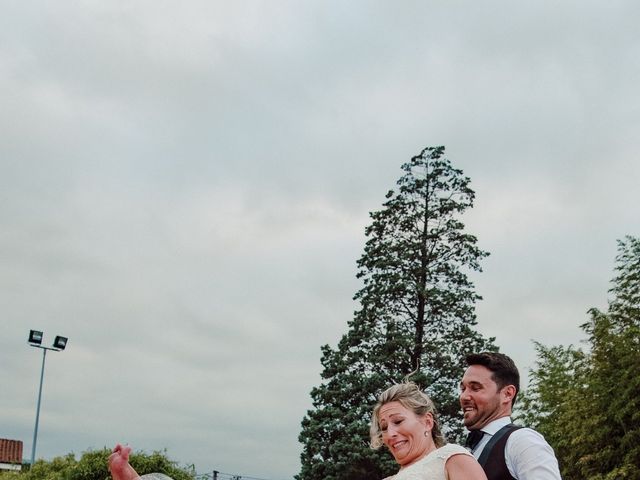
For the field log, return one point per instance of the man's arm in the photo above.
(530, 457)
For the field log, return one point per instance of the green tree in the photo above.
(416, 317)
(93, 466)
(556, 392)
(587, 403)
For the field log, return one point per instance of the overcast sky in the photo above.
(185, 186)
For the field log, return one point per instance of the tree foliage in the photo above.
(416, 316)
(586, 402)
(93, 466)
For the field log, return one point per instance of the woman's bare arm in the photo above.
(464, 467)
(119, 464)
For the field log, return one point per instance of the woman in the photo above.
(404, 420)
(121, 470)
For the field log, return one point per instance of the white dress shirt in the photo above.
(527, 454)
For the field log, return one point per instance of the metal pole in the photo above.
(35, 431)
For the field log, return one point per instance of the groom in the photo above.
(488, 391)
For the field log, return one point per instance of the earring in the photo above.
(427, 433)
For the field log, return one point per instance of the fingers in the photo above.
(122, 451)
(125, 451)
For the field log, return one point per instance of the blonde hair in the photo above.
(409, 395)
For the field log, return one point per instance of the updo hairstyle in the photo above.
(409, 395)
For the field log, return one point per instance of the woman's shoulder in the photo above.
(451, 449)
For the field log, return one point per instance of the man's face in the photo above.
(480, 398)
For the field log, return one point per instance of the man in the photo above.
(488, 391)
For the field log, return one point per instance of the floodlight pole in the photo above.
(58, 346)
(35, 430)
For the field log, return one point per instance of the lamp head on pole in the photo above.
(35, 337)
(60, 342)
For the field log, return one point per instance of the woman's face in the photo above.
(403, 432)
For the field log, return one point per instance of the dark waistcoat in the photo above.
(492, 456)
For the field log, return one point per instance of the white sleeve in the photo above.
(155, 476)
(530, 457)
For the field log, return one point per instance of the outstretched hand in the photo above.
(119, 464)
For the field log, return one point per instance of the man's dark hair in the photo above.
(503, 371)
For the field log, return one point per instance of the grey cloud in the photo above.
(185, 191)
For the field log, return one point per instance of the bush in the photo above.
(93, 466)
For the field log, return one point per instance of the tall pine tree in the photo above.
(416, 316)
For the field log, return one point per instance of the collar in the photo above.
(492, 427)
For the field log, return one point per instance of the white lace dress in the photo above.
(430, 467)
